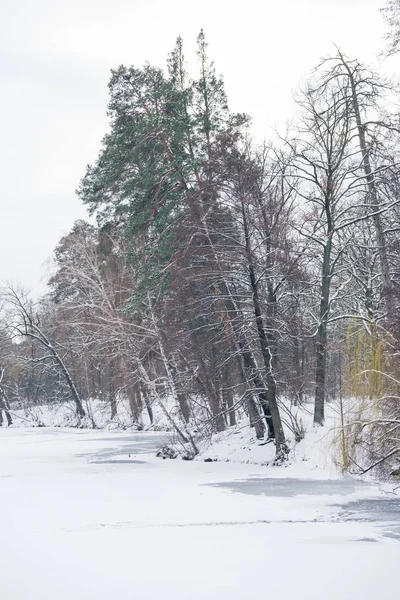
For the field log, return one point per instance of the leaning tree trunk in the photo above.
(78, 402)
(271, 405)
(250, 372)
(170, 370)
(280, 442)
(256, 382)
(253, 385)
(42, 338)
(154, 394)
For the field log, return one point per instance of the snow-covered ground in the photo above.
(94, 515)
(316, 452)
(97, 414)
(314, 456)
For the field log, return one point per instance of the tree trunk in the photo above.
(78, 402)
(264, 345)
(298, 393)
(113, 404)
(75, 395)
(255, 418)
(249, 373)
(112, 391)
(3, 407)
(320, 369)
(228, 401)
(212, 396)
(135, 403)
(152, 388)
(147, 402)
(252, 409)
(182, 400)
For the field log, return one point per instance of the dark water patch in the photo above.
(290, 487)
(380, 509)
(138, 443)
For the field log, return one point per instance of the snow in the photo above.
(312, 457)
(64, 415)
(93, 514)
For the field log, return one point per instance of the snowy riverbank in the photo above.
(316, 453)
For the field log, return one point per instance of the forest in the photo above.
(226, 281)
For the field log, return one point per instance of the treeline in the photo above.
(227, 278)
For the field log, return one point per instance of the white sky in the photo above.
(55, 57)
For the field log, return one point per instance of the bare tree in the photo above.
(366, 93)
(325, 162)
(25, 322)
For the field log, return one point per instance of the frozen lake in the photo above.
(93, 514)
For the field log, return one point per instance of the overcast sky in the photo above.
(55, 58)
